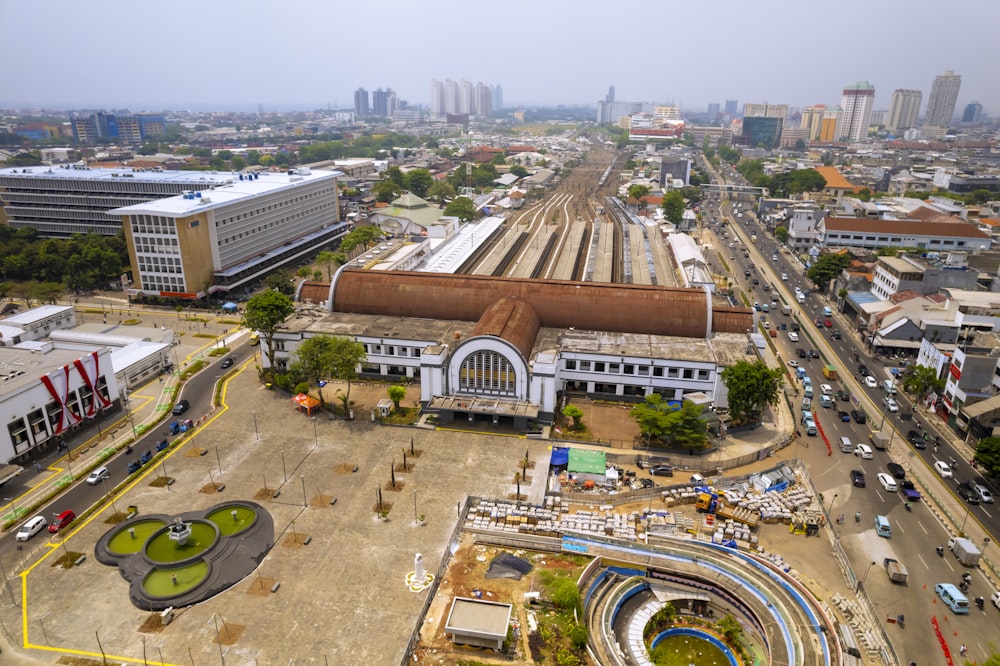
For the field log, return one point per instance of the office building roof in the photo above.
(903, 227)
(226, 194)
(42, 173)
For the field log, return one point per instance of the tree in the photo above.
(921, 380)
(363, 235)
(440, 191)
(673, 206)
(865, 194)
(781, 233)
(313, 360)
(563, 592)
(731, 630)
(348, 355)
(519, 171)
(329, 259)
(462, 208)
(418, 181)
(637, 191)
(265, 313)
(987, 455)
(396, 394)
(827, 268)
(394, 174)
(575, 413)
(281, 281)
(386, 191)
(751, 386)
(663, 421)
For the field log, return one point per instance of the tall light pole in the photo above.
(315, 433)
(255, 431)
(861, 583)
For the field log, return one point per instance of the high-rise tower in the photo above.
(903, 109)
(360, 102)
(856, 113)
(941, 103)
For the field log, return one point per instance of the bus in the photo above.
(254, 338)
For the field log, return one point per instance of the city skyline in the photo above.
(733, 53)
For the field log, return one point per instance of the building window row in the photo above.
(391, 350)
(637, 369)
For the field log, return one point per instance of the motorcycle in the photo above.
(964, 586)
(940, 551)
(908, 507)
(979, 603)
(857, 517)
(128, 449)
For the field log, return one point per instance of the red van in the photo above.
(61, 521)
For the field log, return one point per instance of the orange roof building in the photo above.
(836, 184)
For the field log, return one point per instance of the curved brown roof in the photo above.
(652, 310)
(513, 320)
(314, 292)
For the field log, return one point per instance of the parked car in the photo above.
(162, 445)
(98, 475)
(844, 416)
(967, 492)
(180, 407)
(858, 478)
(943, 469)
(858, 416)
(31, 528)
(61, 521)
(896, 470)
(888, 483)
(662, 470)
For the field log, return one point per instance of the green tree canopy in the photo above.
(796, 182)
(281, 280)
(987, 455)
(751, 386)
(363, 235)
(313, 361)
(441, 190)
(386, 191)
(395, 174)
(827, 268)
(921, 380)
(418, 181)
(265, 313)
(673, 206)
(637, 191)
(658, 420)
(781, 233)
(519, 171)
(347, 355)
(396, 394)
(462, 208)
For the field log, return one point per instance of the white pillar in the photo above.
(418, 567)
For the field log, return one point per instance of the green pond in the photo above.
(162, 549)
(125, 543)
(688, 650)
(171, 582)
(228, 524)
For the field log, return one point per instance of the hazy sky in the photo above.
(223, 54)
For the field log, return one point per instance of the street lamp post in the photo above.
(283, 469)
(305, 503)
(861, 583)
(315, 433)
(255, 431)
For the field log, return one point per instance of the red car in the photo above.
(828, 323)
(61, 521)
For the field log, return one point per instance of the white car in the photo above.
(826, 389)
(784, 277)
(864, 451)
(984, 494)
(31, 528)
(793, 336)
(98, 475)
(887, 482)
(890, 404)
(793, 363)
(943, 468)
(870, 381)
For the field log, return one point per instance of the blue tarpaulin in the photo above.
(229, 306)
(560, 456)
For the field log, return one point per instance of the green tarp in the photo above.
(583, 461)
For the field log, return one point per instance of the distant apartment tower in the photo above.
(466, 97)
(437, 99)
(610, 112)
(831, 120)
(765, 110)
(713, 110)
(610, 97)
(132, 128)
(856, 111)
(903, 109)
(361, 108)
(484, 100)
(942, 100)
(497, 97)
(450, 96)
(973, 113)
(384, 102)
(812, 121)
(731, 107)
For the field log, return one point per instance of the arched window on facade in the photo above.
(487, 372)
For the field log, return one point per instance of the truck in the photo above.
(895, 570)
(880, 439)
(910, 492)
(786, 309)
(965, 551)
(709, 502)
(830, 372)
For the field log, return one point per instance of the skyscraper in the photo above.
(713, 110)
(610, 97)
(731, 107)
(484, 100)
(765, 110)
(466, 98)
(857, 111)
(903, 109)
(437, 99)
(812, 121)
(941, 103)
(361, 102)
(450, 96)
(973, 112)
(497, 97)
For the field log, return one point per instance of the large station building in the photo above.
(511, 349)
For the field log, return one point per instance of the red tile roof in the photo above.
(954, 229)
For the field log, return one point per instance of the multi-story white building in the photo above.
(803, 226)
(205, 242)
(437, 99)
(856, 114)
(876, 233)
(63, 201)
(941, 102)
(903, 109)
(35, 324)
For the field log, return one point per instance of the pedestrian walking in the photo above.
(962, 650)
(38, 468)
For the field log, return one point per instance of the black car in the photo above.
(813, 353)
(858, 478)
(843, 395)
(916, 438)
(858, 416)
(896, 470)
(146, 457)
(180, 407)
(863, 370)
(796, 327)
(662, 470)
(968, 493)
(835, 335)
(226, 362)
(844, 416)
(801, 353)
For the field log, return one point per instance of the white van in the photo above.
(845, 445)
(31, 528)
(889, 386)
